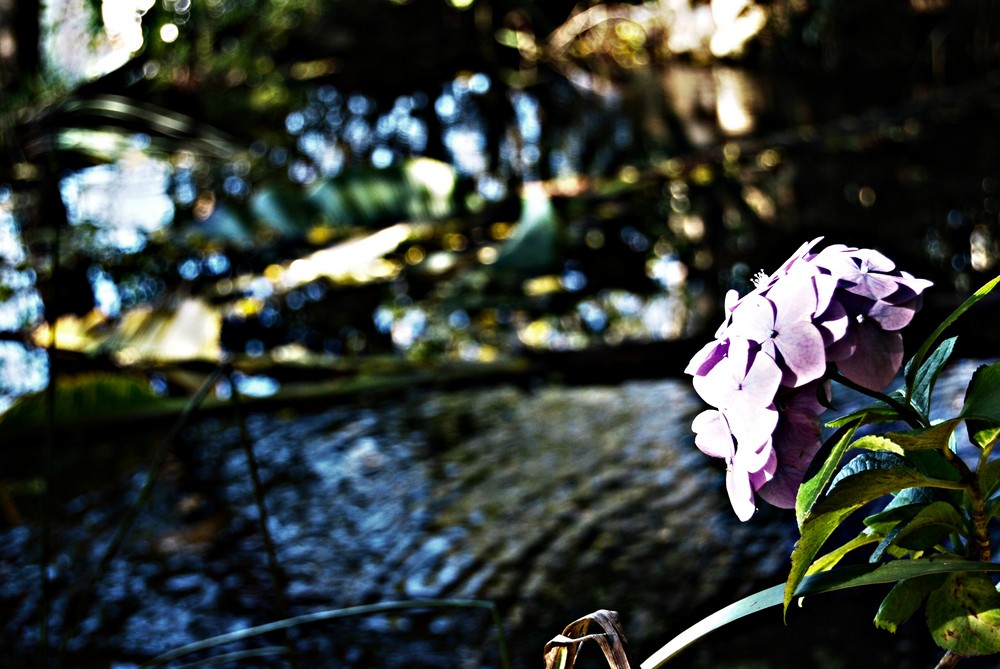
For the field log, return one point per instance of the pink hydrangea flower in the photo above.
(841, 308)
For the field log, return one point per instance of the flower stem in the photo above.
(906, 412)
(949, 661)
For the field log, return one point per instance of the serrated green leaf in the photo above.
(868, 461)
(810, 490)
(933, 464)
(982, 401)
(904, 600)
(927, 439)
(880, 523)
(851, 494)
(887, 541)
(928, 527)
(963, 615)
(985, 437)
(876, 442)
(925, 378)
(916, 362)
(989, 477)
(831, 559)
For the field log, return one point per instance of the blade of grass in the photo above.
(159, 459)
(258, 496)
(331, 614)
(837, 579)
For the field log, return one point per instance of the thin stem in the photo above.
(365, 609)
(907, 413)
(949, 661)
(258, 495)
(159, 459)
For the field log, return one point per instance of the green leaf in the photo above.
(867, 462)
(877, 412)
(876, 442)
(931, 524)
(810, 490)
(989, 477)
(981, 398)
(930, 438)
(851, 494)
(880, 523)
(984, 437)
(830, 560)
(916, 362)
(963, 615)
(927, 375)
(981, 410)
(904, 600)
(829, 581)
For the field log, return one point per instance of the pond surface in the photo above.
(551, 502)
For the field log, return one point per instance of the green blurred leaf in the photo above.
(964, 615)
(282, 210)
(533, 249)
(916, 362)
(904, 600)
(83, 397)
(927, 375)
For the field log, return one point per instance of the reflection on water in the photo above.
(402, 223)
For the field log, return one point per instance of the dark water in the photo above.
(551, 502)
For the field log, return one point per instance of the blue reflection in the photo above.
(23, 370)
(106, 295)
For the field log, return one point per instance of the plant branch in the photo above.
(949, 661)
(906, 412)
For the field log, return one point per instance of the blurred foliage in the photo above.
(474, 180)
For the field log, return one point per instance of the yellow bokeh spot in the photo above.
(487, 255)
(594, 239)
(273, 273)
(542, 285)
(454, 241)
(501, 230)
(769, 159)
(414, 255)
(701, 174)
(535, 333)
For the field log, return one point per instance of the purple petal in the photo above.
(712, 435)
(890, 317)
(740, 494)
(751, 425)
(796, 442)
(753, 319)
(832, 324)
(876, 358)
(708, 357)
(803, 353)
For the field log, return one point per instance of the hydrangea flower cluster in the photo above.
(765, 372)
